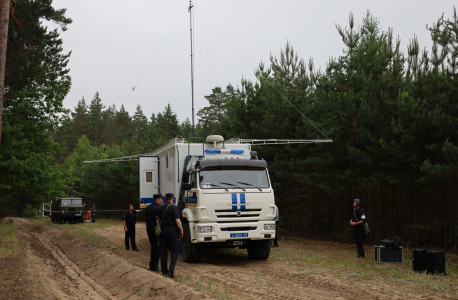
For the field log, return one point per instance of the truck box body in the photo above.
(217, 207)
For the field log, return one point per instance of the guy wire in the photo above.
(267, 79)
(128, 96)
(214, 73)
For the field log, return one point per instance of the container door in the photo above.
(148, 168)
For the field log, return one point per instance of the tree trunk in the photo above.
(4, 19)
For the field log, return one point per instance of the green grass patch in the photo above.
(9, 243)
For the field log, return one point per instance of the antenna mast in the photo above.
(192, 66)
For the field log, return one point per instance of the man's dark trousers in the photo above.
(130, 234)
(155, 251)
(359, 236)
(169, 240)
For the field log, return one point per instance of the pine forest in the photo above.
(391, 114)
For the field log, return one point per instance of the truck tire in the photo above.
(81, 220)
(192, 253)
(259, 249)
(59, 219)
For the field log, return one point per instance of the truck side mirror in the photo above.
(277, 176)
(185, 178)
(186, 186)
(277, 186)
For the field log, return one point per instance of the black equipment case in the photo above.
(435, 262)
(419, 259)
(384, 254)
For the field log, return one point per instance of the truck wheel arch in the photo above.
(187, 215)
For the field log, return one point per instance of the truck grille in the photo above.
(232, 213)
(238, 228)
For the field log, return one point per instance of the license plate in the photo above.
(239, 235)
(78, 215)
(237, 243)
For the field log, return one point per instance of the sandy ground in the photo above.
(58, 265)
(252, 279)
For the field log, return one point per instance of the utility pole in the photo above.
(4, 20)
(192, 66)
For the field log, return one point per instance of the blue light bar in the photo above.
(213, 151)
(237, 151)
(224, 151)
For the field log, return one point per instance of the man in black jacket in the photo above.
(129, 220)
(357, 220)
(150, 216)
(168, 218)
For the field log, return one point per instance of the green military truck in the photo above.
(67, 209)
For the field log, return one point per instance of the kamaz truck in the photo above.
(222, 190)
(67, 209)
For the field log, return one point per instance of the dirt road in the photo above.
(271, 279)
(59, 265)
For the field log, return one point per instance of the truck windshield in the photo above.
(217, 178)
(72, 202)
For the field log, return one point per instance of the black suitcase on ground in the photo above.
(384, 254)
(419, 259)
(435, 262)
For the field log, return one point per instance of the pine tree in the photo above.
(140, 123)
(95, 123)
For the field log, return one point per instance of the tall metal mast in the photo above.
(192, 66)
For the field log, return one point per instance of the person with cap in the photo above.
(357, 220)
(93, 213)
(168, 218)
(129, 220)
(150, 216)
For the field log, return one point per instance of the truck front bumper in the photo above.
(222, 232)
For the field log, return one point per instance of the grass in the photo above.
(340, 260)
(205, 287)
(9, 243)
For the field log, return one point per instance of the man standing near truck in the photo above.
(150, 216)
(168, 218)
(129, 220)
(93, 213)
(357, 220)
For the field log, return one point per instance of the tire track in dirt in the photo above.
(74, 273)
(63, 266)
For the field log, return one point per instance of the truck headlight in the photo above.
(269, 226)
(205, 229)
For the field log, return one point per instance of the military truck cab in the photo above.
(67, 209)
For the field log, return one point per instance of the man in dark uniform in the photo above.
(150, 216)
(93, 213)
(357, 220)
(130, 218)
(169, 220)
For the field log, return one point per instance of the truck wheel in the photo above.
(192, 253)
(259, 249)
(81, 220)
(59, 219)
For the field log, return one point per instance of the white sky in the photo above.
(113, 41)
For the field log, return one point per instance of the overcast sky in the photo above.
(113, 41)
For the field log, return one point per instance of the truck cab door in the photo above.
(46, 209)
(148, 168)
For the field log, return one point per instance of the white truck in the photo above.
(222, 190)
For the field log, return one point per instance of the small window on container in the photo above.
(149, 177)
(167, 160)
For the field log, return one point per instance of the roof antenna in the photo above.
(192, 67)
